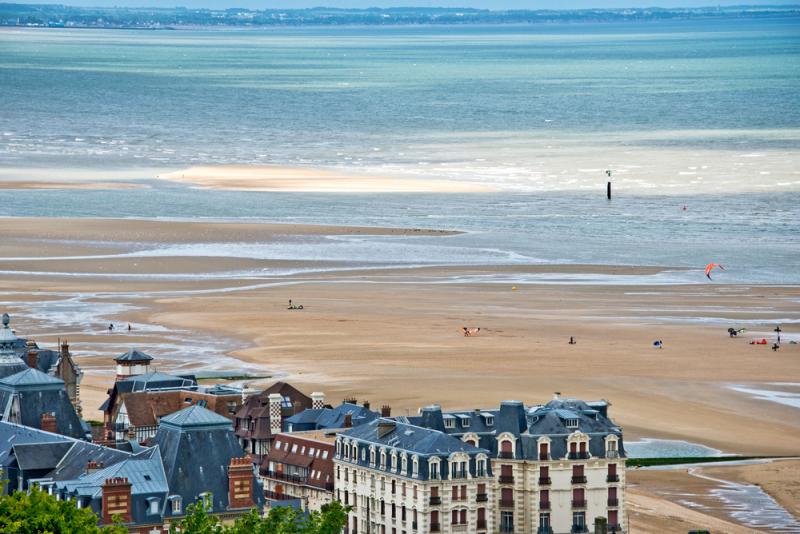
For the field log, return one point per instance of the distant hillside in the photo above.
(56, 15)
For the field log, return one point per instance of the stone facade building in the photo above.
(557, 466)
(401, 477)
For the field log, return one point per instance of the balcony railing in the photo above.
(482, 497)
(612, 478)
(579, 456)
(506, 479)
(545, 481)
(612, 454)
(481, 523)
(544, 457)
(613, 502)
(579, 528)
(544, 505)
(435, 500)
(579, 480)
(436, 527)
(613, 529)
(506, 455)
(579, 504)
(506, 503)
(544, 530)
(413, 525)
(506, 528)
(271, 495)
(458, 528)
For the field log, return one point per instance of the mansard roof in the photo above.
(390, 433)
(31, 379)
(322, 418)
(195, 417)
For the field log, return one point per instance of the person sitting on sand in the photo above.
(572, 340)
(469, 332)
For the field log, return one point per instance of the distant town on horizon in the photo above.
(57, 15)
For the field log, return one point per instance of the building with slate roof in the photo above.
(404, 477)
(262, 415)
(35, 399)
(346, 415)
(195, 455)
(300, 466)
(58, 364)
(557, 466)
(141, 396)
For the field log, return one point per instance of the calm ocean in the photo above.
(700, 114)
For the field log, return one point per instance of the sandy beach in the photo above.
(274, 178)
(392, 335)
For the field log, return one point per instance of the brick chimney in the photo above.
(33, 355)
(92, 466)
(64, 349)
(366, 405)
(240, 483)
(386, 411)
(348, 420)
(116, 500)
(48, 422)
(275, 401)
(317, 400)
(350, 400)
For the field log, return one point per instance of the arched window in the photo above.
(372, 456)
(394, 461)
(383, 459)
(433, 468)
(415, 465)
(506, 449)
(354, 455)
(404, 464)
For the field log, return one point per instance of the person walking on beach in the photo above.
(110, 327)
(572, 340)
(129, 327)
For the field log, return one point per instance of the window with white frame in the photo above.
(415, 466)
(433, 468)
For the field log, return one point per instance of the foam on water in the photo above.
(787, 398)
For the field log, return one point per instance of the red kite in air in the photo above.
(710, 266)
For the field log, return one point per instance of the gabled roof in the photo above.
(30, 377)
(144, 471)
(195, 417)
(133, 356)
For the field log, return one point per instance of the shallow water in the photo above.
(667, 448)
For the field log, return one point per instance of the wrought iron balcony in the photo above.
(579, 504)
(435, 500)
(544, 457)
(481, 523)
(506, 455)
(506, 479)
(545, 481)
(544, 530)
(612, 478)
(506, 503)
(578, 456)
(613, 502)
(436, 527)
(506, 528)
(579, 528)
(482, 497)
(579, 480)
(612, 454)
(544, 505)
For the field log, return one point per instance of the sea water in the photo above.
(701, 115)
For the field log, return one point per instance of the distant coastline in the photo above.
(64, 16)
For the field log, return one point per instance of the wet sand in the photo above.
(393, 335)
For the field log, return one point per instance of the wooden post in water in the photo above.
(608, 190)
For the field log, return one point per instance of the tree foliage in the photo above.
(38, 512)
(279, 520)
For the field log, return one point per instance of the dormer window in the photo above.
(489, 419)
(464, 421)
(572, 423)
(176, 504)
(449, 421)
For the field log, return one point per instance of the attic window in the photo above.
(147, 477)
(488, 419)
(572, 423)
(450, 422)
(465, 422)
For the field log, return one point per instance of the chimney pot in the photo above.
(366, 405)
(386, 411)
(348, 420)
(317, 400)
(33, 358)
